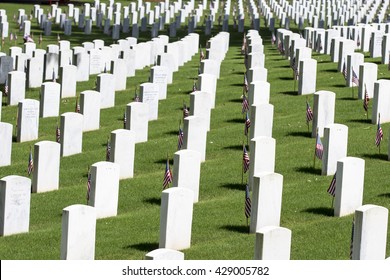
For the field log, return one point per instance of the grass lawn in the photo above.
(219, 228)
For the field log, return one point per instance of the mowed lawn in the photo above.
(219, 229)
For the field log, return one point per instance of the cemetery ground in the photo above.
(219, 229)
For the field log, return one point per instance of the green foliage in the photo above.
(219, 228)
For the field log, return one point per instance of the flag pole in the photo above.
(242, 166)
(379, 146)
(308, 125)
(314, 162)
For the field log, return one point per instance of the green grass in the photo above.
(219, 227)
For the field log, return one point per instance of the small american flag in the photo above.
(202, 56)
(124, 120)
(358, 41)
(366, 99)
(88, 186)
(246, 86)
(30, 166)
(345, 74)
(53, 76)
(108, 150)
(136, 97)
(281, 47)
(332, 187)
(186, 112)
(355, 78)
(351, 246)
(379, 134)
(273, 39)
(294, 67)
(245, 104)
(167, 176)
(245, 160)
(248, 203)
(319, 148)
(247, 124)
(11, 37)
(58, 135)
(49, 16)
(194, 87)
(6, 89)
(309, 113)
(180, 139)
(77, 107)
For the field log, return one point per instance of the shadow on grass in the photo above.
(361, 121)
(385, 195)
(299, 134)
(346, 98)
(153, 200)
(236, 228)
(331, 70)
(164, 161)
(285, 66)
(231, 186)
(376, 156)
(233, 147)
(238, 85)
(289, 92)
(286, 78)
(340, 86)
(236, 100)
(325, 211)
(172, 132)
(309, 170)
(143, 246)
(236, 120)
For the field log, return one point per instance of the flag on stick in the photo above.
(30, 166)
(245, 104)
(366, 99)
(58, 134)
(124, 120)
(201, 53)
(167, 176)
(186, 112)
(108, 150)
(273, 38)
(355, 79)
(332, 187)
(180, 138)
(247, 124)
(246, 86)
(88, 186)
(319, 148)
(6, 89)
(77, 107)
(345, 74)
(194, 87)
(379, 133)
(248, 203)
(245, 160)
(309, 113)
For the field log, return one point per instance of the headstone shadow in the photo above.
(153, 200)
(309, 170)
(385, 195)
(290, 92)
(236, 120)
(376, 156)
(324, 211)
(299, 134)
(236, 228)
(233, 147)
(143, 246)
(361, 121)
(240, 187)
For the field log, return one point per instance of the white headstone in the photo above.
(186, 167)
(71, 133)
(273, 243)
(90, 109)
(349, 185)
(323, 111)
(307, 76)
(137, 114)
(195, 135)
(164, 254)
(208, 83)
(15, 195)
(149, 94)
(68, 75)
(368, 75)
(46, 173)
(159, 75)
(200, 106)
(261, 118)
(104, 188)
(106, 86)
(257, 74)
(266, 200)
(17, 89)
(6, 130)
(28, 120)
(381, 102)
(50, 100)
(78, 232)
(119, 70)
(370, 233)
(34, 72)
(81, 60)
(123, 151)
(176, 218)
(262, 153)
(335, 145)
